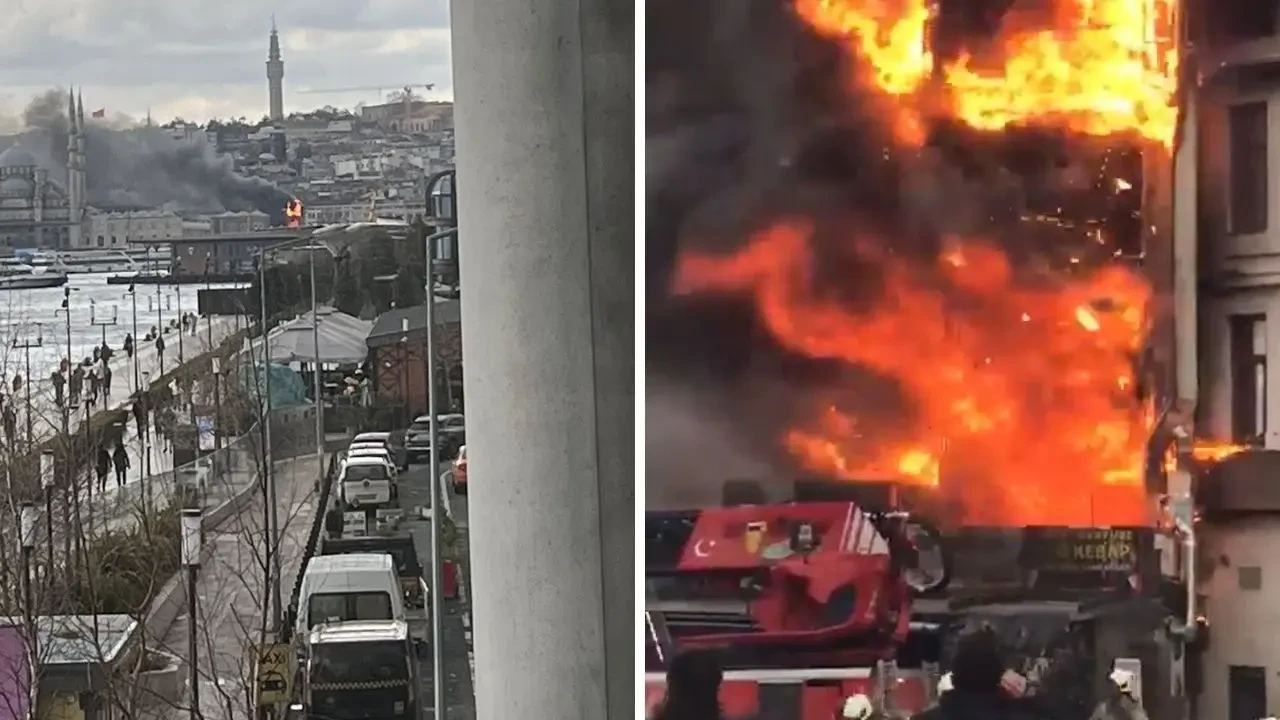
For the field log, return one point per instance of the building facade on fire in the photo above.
(37, 211)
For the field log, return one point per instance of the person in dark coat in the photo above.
(76, 385)
(140, 415)
(120, 459)
(10, 423)
(128, 345)
(979, 681)
(92, 377)
(103, 467)
(693, 688)
(58, 383)
(106, 382)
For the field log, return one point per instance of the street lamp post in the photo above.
(46, 482)
(177, 287)
(25, 345)
(217, 405)
(103, 323)
(192, 520)
(144, 397)
(133, 294)
(273, 527)
(317, 364)
(208, 286)
(439, 192)
(27, 520)
(159, 340)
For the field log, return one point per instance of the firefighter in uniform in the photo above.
(1121, 704)
(857, 707)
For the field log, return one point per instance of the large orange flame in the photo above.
(1098, 67)
(293, 213)
(1024, 394)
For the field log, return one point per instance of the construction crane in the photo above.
(381, 90)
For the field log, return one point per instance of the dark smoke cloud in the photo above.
(750, 118)
(139, 166)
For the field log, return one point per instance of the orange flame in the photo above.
(1210, 451)
(293, 213)
(1019, 391)
(1097, 67)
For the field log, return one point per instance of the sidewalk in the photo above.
(47, 417)
(230, 591)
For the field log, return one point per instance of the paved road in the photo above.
(230, 592)
(458, 693)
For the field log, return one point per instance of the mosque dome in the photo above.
(16, 157)
(15, 184)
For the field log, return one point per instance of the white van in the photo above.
(374, 452)
(351, 586)
(366, 482)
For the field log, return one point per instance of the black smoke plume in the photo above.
(751, 117)
(141, 166)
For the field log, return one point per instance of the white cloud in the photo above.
(191, 59)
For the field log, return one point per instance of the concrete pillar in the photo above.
(545, 146)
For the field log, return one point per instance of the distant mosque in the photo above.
(35, 211)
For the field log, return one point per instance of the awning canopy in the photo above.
(342, 339)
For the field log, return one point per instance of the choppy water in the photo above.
(26, 315)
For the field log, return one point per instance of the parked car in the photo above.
(452, 429)
(460, 472)
(453, 433)
(366, 481)
(417, 439)
(395, 445)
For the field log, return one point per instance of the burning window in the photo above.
(1248, 377)
(293, 213)
(1248, 185)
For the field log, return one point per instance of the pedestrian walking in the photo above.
(160, 344)
(92, 377)
(106, 383)
(10, 424)
(128, 345)
(140, 415)
(103, 467)
(17, 383)
(58, 383)
(121, 460)
(76, 384)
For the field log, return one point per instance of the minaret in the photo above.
(73, 155)
(275, 76)
(80, 151)
(75, 188)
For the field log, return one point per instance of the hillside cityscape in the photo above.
(74, 179)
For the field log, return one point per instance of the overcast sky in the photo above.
(198, 59)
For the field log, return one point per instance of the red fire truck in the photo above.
(811, 602)
(807, 602)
